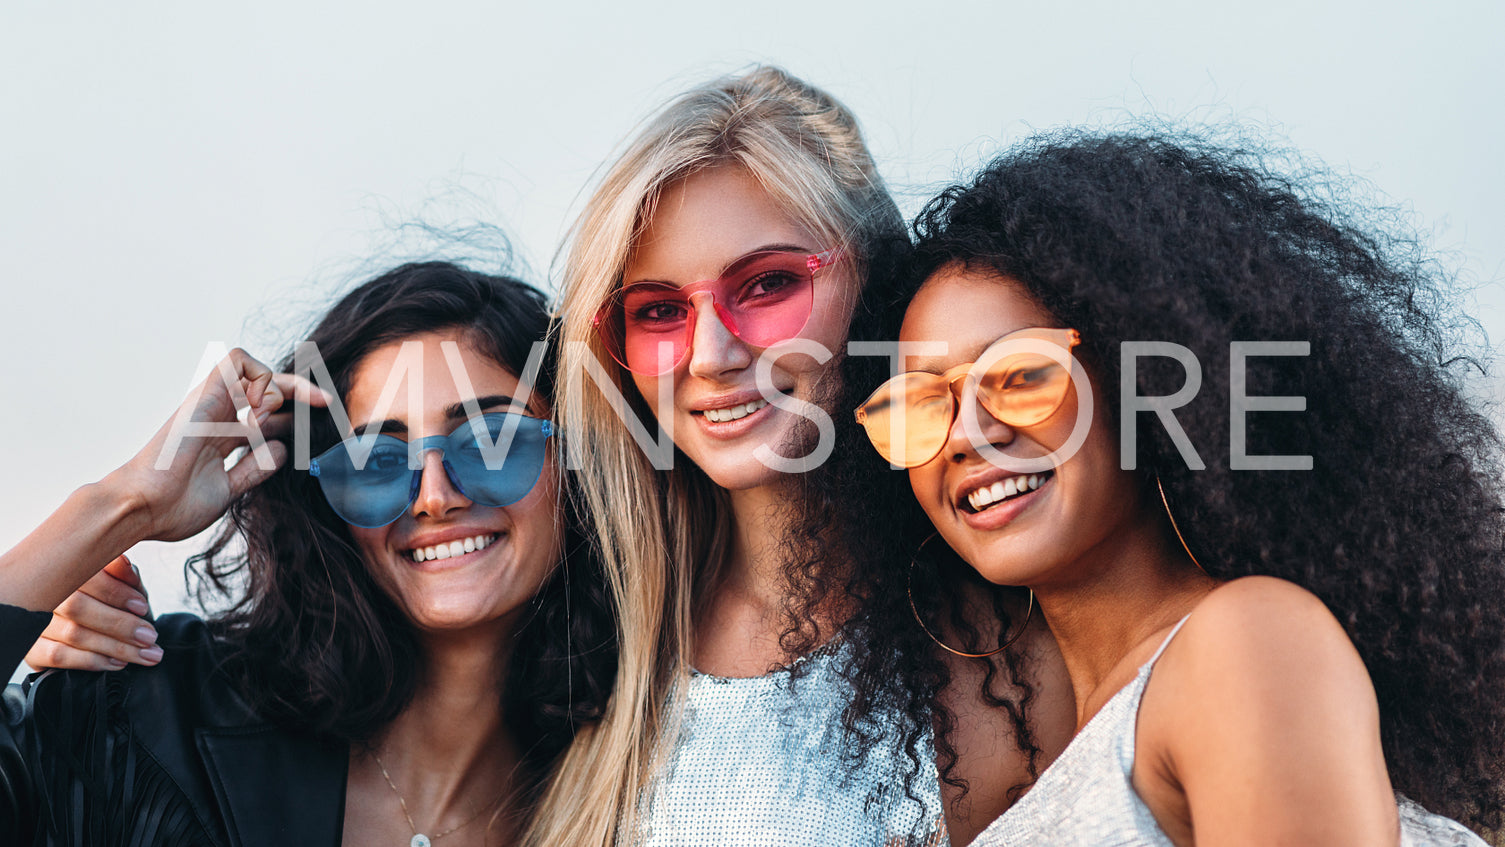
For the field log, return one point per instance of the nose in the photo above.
(714, 350)
(437, 495)
(989, 430)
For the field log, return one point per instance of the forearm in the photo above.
(94, 525)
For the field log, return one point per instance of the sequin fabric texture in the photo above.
(762, 761)
(1087, 795)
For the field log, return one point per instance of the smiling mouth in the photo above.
(452, 549)
(733, 413)
(1004, 490)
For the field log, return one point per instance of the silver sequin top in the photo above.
(1086, 797)
(759, 762)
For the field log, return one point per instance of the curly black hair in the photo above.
(311, 640)
(854, 532)
(1398, 527)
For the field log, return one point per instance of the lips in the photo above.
(982, 497)
(451, 549)
(732, 413)
(986, 494)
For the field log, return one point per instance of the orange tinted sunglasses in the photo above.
(909, 417)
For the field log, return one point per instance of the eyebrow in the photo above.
(777, 247)
(455, 411)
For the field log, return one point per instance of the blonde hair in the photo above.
(660, 531)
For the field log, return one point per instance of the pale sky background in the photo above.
(176, 174)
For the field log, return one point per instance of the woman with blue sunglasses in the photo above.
(402, 659)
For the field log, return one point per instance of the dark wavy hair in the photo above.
(1398, 527)
(311, 640)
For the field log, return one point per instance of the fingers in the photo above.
(255, 378)
(80, 618)
(90, 635)
(301, 390)
(122, 569)
(255, 467)
(47, 654)
(263, 390)
(115, 592)
(279, 425)
(267, 391)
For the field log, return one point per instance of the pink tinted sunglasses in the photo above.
(762, 298)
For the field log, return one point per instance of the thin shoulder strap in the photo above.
(1167, 642)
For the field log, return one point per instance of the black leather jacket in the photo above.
(156, 756)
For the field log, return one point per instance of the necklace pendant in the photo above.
(419, 840)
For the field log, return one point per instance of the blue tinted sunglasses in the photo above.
(494, 460)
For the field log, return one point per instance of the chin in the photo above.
(450, 614)
(1010, 558)
(741, 475)
(732, 465)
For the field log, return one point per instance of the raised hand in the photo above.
(174, 488)
(180, 476)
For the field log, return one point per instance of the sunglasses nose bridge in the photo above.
(699, 300)
(418, 450)
(964, 391)
(439, 492)
(714, 344)
(956, 380)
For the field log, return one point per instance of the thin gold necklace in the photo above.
(419, 839)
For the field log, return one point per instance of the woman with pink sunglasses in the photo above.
(707, 292)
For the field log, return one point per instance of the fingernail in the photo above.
(115, 663)
(145, 636)
(137, 607)
(152, 655)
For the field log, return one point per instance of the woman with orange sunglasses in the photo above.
(1283, 619)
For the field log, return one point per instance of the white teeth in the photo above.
(735, 412)
(1002, 490)
(451, 549)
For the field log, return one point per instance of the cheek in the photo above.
(372, 545)
(369, 541)
(929, 490)
(649, 387)
(538, 518)
(831, 316)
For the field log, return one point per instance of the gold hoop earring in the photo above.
(1176, 529)
(909, 588)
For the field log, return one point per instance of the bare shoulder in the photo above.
(1258, 626)
(1260, 716)
(1258, 644)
